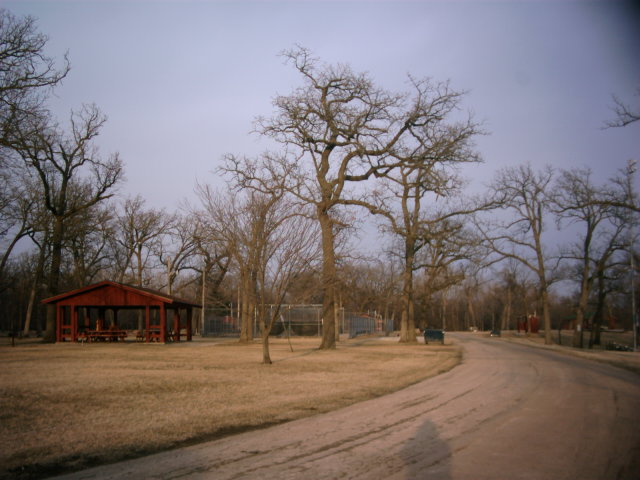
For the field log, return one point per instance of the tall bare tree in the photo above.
(524, 198)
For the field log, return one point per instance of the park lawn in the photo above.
(68, 406)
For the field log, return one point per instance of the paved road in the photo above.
(508, 412)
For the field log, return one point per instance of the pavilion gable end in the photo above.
(111, 295)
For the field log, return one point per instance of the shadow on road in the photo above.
(426, 455)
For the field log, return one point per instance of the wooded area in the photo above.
(288, 226)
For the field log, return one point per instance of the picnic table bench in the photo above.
(155, 335)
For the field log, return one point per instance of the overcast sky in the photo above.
(181, 82)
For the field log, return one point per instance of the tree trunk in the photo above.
(138, 253)
(599, 313)
(328, 281)
(203, 296)
(248, 308)
(34, 289)
(266, 358)
(27, 317)
(169, 277)
(265, 330)
(336, 316)
(407, 321)
(471, 312)
(578, 335)
(444, 310)
(506, 311)
(53, 286)
(594, 336)
(546, 314)
(139, 260)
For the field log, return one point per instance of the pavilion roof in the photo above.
(137, 293)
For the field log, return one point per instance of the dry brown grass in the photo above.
(68, 406)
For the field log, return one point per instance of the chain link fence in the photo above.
(299, 320)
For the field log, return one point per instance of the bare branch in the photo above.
(625, 114)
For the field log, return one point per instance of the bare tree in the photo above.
(87, 244)
(624, 194)
(214, 259)
(27, 74)
(426, 177)
(624, 114)
(237, 224)
(20, 211)
(72, 175)
(138, 233)
(512, 288)
(176, 248)
(339, 129)
(605, 229)
(448, 247)
(371, 284)
(268, 247)
(524, 196)
(292, 246)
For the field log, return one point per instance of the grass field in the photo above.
(69, 406)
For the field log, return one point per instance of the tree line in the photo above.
(284, 229)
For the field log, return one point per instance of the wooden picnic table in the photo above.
(105, 335)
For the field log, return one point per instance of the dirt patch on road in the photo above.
(69, 406)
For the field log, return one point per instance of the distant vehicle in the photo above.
(618, 347)
(495, 333)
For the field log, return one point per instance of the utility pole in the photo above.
(203, 295)
(634, 314)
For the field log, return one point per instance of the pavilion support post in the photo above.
(163, 323)
(74, 323)
(176, 325)
(59, 320)
(189, 321)
(100, 320)
(86, 318)
(147, 323)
